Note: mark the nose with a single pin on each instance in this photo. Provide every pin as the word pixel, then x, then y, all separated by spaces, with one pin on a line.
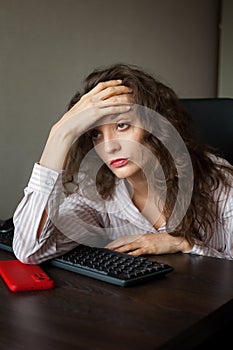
pixel 108 143
pixel 111 144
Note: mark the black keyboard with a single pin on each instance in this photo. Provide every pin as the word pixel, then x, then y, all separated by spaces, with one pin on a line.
pixel 101 263
pixel 110 266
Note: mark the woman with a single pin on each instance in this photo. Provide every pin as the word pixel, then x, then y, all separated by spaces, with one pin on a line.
pixel 122 169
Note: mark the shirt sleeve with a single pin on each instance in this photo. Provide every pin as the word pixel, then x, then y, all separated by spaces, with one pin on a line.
pixel 221 245
pixel 69 220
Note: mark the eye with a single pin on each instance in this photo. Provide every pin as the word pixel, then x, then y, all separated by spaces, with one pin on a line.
pixel 94 134
pixel 123 126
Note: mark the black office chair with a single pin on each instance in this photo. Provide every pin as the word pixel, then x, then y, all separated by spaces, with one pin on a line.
pixel 213 120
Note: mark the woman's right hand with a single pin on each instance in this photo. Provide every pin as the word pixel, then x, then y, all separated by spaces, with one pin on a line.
pixel 106 98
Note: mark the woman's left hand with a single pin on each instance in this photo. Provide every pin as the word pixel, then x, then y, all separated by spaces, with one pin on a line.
pixel 154 243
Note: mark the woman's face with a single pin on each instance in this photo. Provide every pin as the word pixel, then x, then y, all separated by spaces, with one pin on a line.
pixel 118 141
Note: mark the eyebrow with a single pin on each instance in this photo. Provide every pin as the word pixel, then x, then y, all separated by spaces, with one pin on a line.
pixel 114 116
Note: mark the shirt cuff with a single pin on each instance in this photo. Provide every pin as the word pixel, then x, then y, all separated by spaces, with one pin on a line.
pixel 44 179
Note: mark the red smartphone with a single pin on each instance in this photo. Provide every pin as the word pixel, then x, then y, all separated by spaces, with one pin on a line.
pixel 21 277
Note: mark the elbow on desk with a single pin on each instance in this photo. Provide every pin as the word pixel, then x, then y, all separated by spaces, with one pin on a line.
pixel 24 247
pixel 21 257
pixel 33 253
pixel 21 254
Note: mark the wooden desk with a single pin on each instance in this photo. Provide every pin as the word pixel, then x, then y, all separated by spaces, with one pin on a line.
pixel 179 311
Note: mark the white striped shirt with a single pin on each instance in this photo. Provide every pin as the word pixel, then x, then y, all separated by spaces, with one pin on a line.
pixel 86 218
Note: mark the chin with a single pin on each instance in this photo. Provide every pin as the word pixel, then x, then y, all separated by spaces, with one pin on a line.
pixel 123 173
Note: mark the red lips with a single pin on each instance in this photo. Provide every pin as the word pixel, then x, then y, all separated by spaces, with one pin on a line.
pixel 118 162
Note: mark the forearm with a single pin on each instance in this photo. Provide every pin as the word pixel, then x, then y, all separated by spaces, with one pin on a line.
pixel 211 252
pixel 107 98
pixel 37 201
pixel 56 149
pixel 48 224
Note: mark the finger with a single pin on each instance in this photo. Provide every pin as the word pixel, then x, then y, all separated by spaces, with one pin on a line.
pixel 137 252
pixel 92 116
pixel 122 241
pixel 112 91
pixel 118 109
pixel 116 100
pixel 96 114
pixel 103 85
pixel 128 247
pixel 113 245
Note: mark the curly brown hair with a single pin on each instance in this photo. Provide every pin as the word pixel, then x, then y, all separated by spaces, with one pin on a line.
pixel 201 218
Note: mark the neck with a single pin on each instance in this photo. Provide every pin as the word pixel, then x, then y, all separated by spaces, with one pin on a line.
pixel 138 184
pixel 145 199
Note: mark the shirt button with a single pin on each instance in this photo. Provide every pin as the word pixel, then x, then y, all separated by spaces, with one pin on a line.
pixel 49 182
